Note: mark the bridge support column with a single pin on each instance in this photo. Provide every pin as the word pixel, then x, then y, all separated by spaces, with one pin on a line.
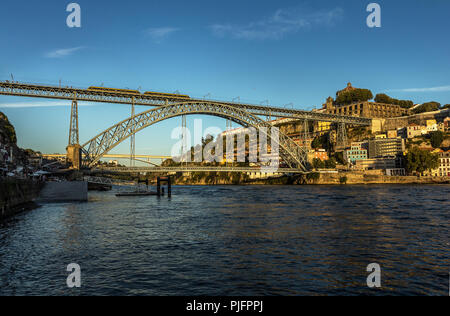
pixel 341 137
pixel 74 156
pixel 306 133
pixel 74 148
pixel 73 132
pixel 133 137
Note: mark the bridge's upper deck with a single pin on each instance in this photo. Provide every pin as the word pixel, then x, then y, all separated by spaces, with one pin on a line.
pixel 89 95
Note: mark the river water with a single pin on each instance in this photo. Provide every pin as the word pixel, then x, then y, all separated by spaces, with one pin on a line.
pixel 233 240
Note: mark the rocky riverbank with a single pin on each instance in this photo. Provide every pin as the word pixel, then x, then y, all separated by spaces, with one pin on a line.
pixel 17 196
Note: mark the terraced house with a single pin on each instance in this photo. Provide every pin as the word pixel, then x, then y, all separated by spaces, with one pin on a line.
pixel 444 165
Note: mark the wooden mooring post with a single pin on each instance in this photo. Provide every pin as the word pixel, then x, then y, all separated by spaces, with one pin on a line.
pixel 163 180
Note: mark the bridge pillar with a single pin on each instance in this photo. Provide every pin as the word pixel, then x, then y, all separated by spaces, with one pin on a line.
pixel 341 137
pixel 73 132
pixel 74 148
pixel 74 156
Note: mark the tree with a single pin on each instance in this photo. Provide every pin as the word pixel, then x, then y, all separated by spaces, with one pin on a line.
pixel 447 106
pixel 383 98
pixel 318 164
pixel 330 163
pixel 320 142
pixel 316 143
pixel 436 139
pixel 354 96
pixel 315 176
pixel 418 160
pixel 427 107
pixel 7 129
pixel 339 157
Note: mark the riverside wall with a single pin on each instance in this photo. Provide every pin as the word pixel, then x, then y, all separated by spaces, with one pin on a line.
pixel 362 178
pixel 341 178
pixel 70 191
pixel 17 196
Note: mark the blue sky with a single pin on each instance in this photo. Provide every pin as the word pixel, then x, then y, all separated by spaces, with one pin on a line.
pixel 297 52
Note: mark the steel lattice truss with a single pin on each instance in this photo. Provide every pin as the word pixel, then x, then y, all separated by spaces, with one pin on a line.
pixel 291 153
pixel 108 181
pixel 109 170
pixel 66 93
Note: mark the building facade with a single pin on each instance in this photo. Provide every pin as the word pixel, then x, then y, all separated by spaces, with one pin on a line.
pixel 447 123
pixel 358 151
pixel 415 130
pixel 365 109
pixel 321 154
pixel 378 163
pixel 444 165
pixel 389 147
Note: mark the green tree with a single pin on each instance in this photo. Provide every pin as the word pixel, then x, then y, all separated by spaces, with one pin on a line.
pixel 427 107
pixel 418 160
pixel 383 98
pixel 7 129
pixel 316 143
pixel 330 163
pixel 447 106
pixel 339 157
pixel 318 164
pixel 320 142
pixel 354 96
pixel 436 139
pixel 314 176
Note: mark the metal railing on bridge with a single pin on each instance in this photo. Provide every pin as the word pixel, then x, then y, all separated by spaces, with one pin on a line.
pixel 68 93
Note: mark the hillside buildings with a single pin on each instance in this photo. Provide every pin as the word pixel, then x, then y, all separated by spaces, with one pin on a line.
pixel 358 151
pixel 444 165
pixel 389 147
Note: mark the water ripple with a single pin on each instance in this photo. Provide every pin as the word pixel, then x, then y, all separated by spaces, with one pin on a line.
pixel 304 240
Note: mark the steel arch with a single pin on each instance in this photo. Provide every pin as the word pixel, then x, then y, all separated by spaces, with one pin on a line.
pixel 291 153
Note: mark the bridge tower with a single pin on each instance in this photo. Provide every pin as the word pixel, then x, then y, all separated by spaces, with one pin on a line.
pixel 184 150
pixel 133 137
pixel 341 136
pixel 74 148
pixel 306 133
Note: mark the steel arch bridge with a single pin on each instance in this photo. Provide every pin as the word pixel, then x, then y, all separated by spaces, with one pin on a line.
pixel 292 154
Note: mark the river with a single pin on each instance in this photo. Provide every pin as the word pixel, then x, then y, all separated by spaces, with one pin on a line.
pixel 235 240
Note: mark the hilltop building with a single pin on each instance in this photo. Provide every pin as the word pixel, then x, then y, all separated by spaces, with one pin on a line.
pixel 364 109
pixel 347 89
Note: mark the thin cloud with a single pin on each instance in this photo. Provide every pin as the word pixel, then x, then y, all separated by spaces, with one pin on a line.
pixel 433 89
pixel 60 53
pixel 160 33
pixel 281 23
pixel 19 105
